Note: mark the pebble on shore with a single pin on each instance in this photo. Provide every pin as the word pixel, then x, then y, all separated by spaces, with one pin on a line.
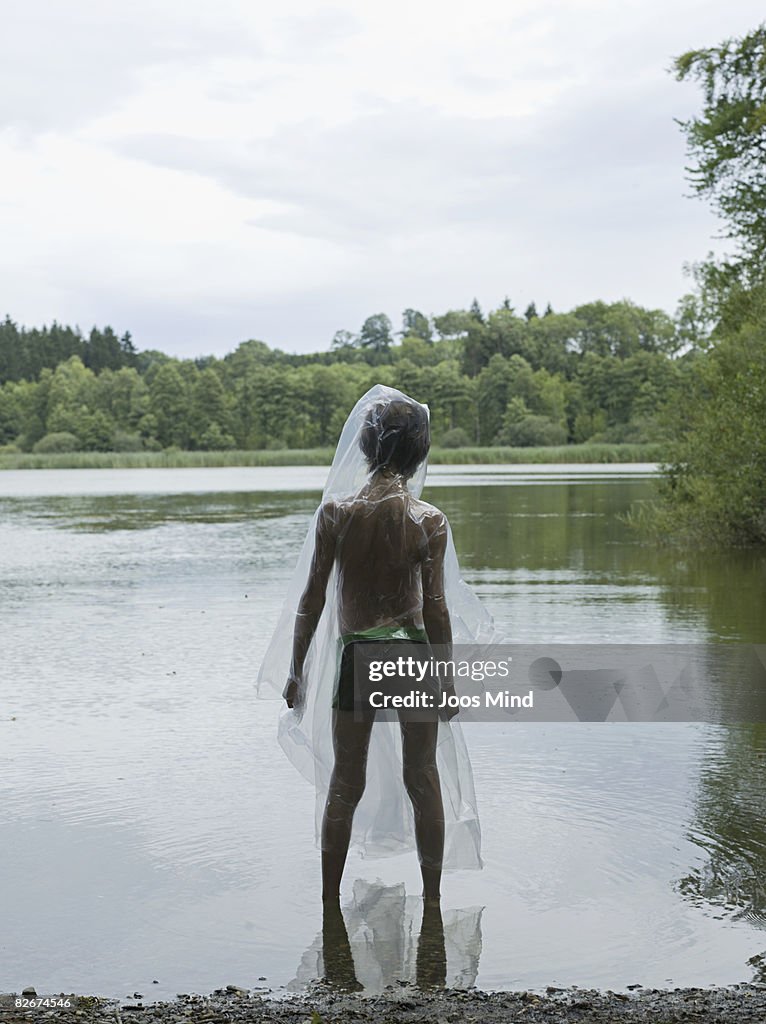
pixel 738 1004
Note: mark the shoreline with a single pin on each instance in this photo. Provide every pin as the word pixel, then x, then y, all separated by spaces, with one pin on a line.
pixel 177 459
pixel 741 1003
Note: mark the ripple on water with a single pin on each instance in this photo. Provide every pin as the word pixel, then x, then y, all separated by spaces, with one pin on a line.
pixel 141 773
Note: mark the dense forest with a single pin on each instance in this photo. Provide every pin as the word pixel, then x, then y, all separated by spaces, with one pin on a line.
pixel 602 372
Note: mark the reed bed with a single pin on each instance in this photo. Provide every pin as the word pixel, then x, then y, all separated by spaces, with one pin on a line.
pixel 577 453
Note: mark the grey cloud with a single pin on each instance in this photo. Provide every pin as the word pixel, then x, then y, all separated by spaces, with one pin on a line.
pixel 245 91
pixel 481 84
pixel 316 33
pixel 583 200
pixel 397 169
pixel 405 168
pixel 63 64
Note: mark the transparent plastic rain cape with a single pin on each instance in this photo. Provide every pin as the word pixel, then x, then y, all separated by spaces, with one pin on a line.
pixel 384 822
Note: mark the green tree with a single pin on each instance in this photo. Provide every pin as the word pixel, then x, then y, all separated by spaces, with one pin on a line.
pixel 214 439
pixel 324 390
pixel 209 407
pixel 416 325
pixel 550 398
pixel 71 396
pixel 622 328
pixel 493 389
pixel 103 350
pixel 412 379
pixel 453 399
pixel 417 350
pixel 123 395
pixel 169 405
pixel 503 334
pixel 727 142
pixel 694 321
pixel 11 354
pixel 95 430
pixel 552 340
pixel 714 485
pixel 344 340
pixel 526 431
pixel 454 324
pixel 33 401
pixel 62 441
pixel 375 335
pixel 10 412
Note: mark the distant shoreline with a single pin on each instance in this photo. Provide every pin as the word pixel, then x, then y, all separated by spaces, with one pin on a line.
pixel 177 459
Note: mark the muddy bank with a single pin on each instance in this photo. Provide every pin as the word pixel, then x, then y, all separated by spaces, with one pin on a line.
pixel 741 1004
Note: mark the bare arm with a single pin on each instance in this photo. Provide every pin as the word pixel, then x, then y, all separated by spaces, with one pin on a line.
pixel 312 602
pixel 435 612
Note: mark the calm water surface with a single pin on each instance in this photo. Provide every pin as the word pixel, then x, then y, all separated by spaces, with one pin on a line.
pixel 153 830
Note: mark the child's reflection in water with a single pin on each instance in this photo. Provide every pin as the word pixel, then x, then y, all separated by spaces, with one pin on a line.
pixel 432 956
pixel 382 939
pixel 339 971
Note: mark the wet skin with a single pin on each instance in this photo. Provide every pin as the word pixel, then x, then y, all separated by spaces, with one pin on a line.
pixel 388 548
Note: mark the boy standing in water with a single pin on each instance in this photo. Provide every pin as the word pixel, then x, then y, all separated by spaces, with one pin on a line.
pixel 388 549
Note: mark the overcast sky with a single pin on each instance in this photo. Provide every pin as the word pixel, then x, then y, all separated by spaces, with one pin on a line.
pixel 205 173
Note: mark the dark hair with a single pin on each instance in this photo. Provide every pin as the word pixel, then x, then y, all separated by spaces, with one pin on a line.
pixel 396 435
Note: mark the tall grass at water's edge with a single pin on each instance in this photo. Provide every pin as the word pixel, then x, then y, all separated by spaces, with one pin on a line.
pixel 575 453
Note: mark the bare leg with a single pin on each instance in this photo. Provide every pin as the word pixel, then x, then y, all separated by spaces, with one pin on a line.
pixel 351 740
pixel 421 779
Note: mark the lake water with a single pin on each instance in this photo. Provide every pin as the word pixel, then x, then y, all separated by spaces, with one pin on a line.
pixel 156 840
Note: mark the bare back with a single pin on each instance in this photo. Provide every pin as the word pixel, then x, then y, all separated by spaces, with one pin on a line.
pixel 388 549
pixel 383 537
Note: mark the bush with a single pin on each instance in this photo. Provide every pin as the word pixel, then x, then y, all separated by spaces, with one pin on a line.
pixel 9 449
pixel 531 431
pixel 96 432
pixel 61 441
pixel 126 442
pixel 456 438
pixel 641 430
pixel 714 488
pixel 215 439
